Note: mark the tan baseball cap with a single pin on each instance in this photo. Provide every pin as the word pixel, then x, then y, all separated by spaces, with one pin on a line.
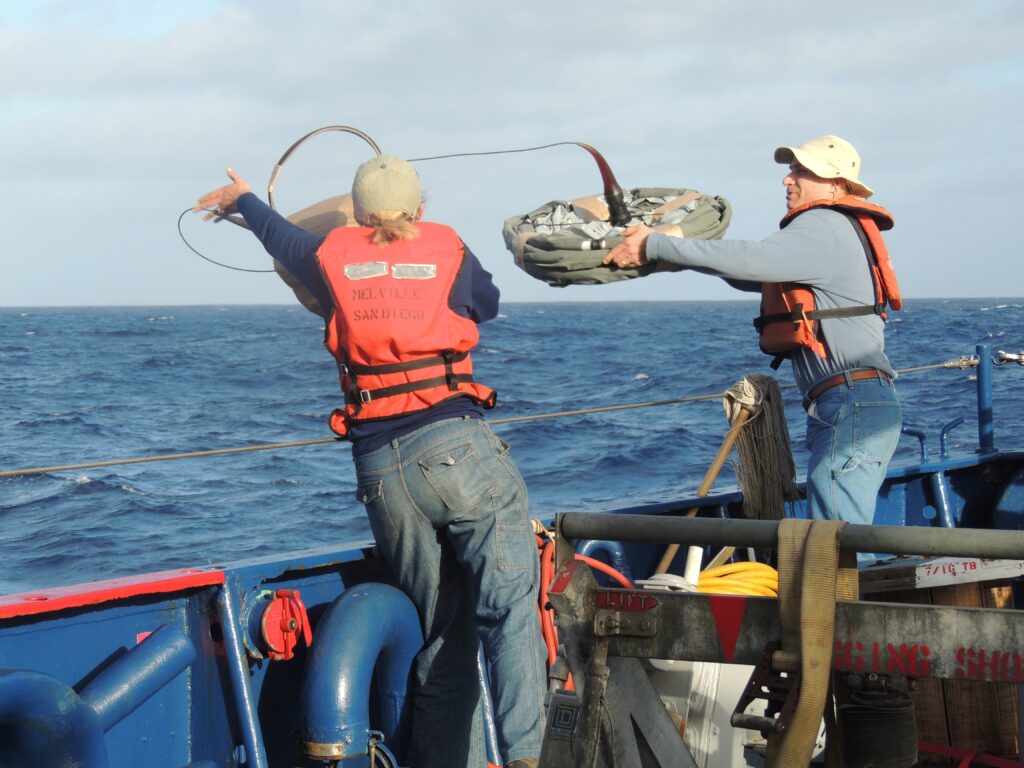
pixel 829 157
pixel 385 183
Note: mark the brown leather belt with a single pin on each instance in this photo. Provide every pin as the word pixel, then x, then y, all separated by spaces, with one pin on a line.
pixel 840 378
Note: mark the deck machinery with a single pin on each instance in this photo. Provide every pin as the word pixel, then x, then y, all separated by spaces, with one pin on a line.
pixel 615 717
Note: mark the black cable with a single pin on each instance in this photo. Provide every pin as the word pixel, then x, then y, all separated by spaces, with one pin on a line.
pixel 207 258
pixel 411 160
pixel 949 364
pixel 493 152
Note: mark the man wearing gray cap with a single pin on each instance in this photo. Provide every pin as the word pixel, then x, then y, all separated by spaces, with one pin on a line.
pixel 825 281
pixel 401 299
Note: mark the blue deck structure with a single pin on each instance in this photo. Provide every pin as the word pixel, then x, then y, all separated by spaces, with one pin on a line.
pixel 301 658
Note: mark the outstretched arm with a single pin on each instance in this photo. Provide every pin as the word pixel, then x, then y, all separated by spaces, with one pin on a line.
pixel 293 247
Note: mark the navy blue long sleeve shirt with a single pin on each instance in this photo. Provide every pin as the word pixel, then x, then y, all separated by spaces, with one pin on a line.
pixel 474 295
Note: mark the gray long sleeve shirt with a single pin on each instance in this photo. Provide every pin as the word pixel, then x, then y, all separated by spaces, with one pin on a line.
pixel 819 249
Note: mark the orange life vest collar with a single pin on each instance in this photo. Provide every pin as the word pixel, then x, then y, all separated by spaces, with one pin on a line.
pixel 399 346
pixel 852 204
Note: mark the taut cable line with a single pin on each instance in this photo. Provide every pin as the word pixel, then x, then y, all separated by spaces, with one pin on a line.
pixel 324 440
pixel 960 363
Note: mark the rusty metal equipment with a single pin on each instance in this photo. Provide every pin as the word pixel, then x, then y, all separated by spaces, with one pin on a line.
pixel 615 718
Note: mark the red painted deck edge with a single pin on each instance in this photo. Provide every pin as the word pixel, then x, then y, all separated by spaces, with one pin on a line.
pixel 96 592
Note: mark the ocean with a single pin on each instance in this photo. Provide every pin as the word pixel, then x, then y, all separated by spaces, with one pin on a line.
pixel 81 385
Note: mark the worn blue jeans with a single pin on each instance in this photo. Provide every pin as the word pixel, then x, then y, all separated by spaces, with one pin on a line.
pixel 852 431
pixel 448 509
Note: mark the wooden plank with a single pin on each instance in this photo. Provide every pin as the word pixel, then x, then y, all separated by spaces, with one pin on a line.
pixel 965 714
pixel 929 694
pixel 980 715
pixel 927 572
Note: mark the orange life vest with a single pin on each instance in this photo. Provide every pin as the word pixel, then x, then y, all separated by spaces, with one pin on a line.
pixel 399 347
pixel 789 317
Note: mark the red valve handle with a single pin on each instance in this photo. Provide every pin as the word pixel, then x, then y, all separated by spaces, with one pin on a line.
pixel 284 619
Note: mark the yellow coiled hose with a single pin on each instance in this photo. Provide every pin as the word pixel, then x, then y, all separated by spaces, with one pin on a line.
pixel 749 578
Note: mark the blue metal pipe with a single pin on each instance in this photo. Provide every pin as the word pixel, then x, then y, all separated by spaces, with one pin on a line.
pixel 238 672
pixel 940 485
pixel 986 432
pixel 941 493
pixel 614 551
pixel 381 754
pixel 121 688
pixel 943 452
pixel 922 439
pixel 44 722
pixel 365 623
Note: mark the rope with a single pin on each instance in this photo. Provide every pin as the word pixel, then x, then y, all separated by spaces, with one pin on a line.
pixel 167 457
pixel 963 362
pixel 324 440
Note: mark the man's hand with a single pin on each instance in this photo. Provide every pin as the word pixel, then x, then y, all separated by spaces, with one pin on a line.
pixel 220 202
pixel 631 252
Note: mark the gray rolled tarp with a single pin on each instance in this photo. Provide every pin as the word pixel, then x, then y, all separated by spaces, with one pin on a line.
pixel 564 241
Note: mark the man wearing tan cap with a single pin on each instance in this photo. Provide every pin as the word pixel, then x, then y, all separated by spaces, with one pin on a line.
pixel 825 281
pixel 401 299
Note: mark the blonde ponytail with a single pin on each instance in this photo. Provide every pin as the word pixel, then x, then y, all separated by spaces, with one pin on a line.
pixel 392 225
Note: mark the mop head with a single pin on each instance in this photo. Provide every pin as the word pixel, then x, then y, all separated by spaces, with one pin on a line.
pixel 766 471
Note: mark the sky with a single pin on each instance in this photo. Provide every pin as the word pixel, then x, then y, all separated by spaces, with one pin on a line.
pixel 116 115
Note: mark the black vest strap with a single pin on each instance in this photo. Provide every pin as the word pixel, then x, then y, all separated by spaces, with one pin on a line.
pixel 819 314
pixel 446 358
pixel 452 381
pixel 798 314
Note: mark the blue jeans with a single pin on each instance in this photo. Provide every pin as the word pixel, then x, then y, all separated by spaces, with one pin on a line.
pixel 448 509
pixel 852 431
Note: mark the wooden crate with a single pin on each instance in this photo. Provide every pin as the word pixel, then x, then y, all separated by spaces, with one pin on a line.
pixel 963 714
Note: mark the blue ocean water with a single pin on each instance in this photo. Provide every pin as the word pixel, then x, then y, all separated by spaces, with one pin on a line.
pixel 80 385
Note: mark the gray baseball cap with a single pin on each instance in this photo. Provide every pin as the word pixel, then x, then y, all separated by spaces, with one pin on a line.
pixel 385 183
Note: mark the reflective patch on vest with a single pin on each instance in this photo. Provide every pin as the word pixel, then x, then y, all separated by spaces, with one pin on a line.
pixel 366 270
pixel 414 271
